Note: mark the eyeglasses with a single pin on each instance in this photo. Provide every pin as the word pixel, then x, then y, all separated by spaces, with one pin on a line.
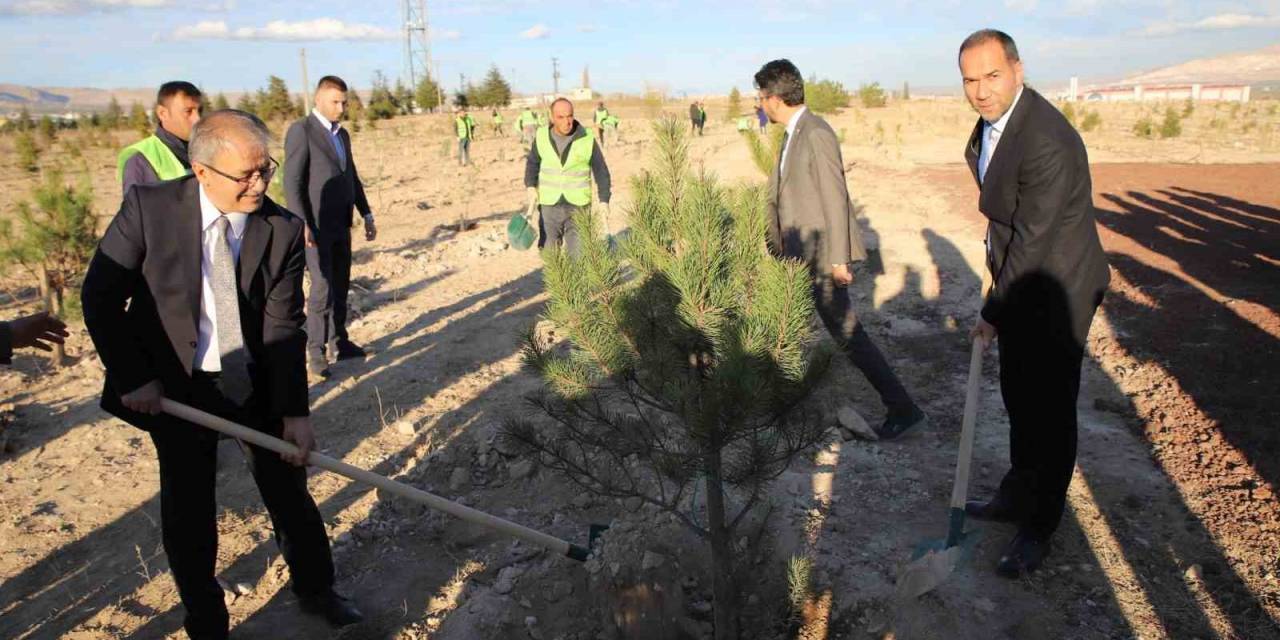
pixel 246 181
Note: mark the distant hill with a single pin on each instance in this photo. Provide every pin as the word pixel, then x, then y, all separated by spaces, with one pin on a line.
pixel 1261 67
pixel 61 99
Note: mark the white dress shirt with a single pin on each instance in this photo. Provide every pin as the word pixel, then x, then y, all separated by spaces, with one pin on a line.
pixel 207 358
pixel 791 132
pixel 334 137
pixel 991 132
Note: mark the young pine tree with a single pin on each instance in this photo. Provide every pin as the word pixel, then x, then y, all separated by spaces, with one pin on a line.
pixel 765 152
pixel 735 103
pixel 54 239
pixel 691 355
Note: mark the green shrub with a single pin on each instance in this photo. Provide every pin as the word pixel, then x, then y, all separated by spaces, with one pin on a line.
pixel 825 96
pixel 1172 125
pixel 872 96
pixel 28 154
pixel 1144 128
pixel 1069 112
pixel 1091 121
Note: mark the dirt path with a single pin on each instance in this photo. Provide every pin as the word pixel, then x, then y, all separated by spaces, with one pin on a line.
pixel 79 553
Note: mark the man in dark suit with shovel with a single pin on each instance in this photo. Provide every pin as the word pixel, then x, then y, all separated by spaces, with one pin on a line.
pixel 1048 276
pixel 195 294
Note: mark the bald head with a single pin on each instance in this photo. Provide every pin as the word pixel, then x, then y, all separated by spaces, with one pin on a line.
pixel 562 116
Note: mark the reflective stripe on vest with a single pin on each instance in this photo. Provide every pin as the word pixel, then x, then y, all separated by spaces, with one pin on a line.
pixel 166 165
pixel 572 179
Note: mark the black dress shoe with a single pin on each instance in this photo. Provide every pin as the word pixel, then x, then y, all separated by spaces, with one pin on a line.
pixel 338 610
pixel 347 350
pixel 896 425
pixel 1025 553
pixel 999 509
pixel 318 369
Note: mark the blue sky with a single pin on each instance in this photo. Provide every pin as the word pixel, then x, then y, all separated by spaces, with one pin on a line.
pixel 693 47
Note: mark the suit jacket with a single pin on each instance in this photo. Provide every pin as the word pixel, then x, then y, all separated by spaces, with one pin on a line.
pixel 141 299
pixel 810 214
pixel 316 186
pixel 1043 248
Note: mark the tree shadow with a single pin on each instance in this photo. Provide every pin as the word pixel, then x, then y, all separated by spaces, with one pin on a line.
pixel 100 563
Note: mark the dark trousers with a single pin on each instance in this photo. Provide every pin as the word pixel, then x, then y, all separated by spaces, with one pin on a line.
pixel 1040 382
pixel 188 511
pixel 329 265
pixel 835 307
pixel 556 228
pixel 464 151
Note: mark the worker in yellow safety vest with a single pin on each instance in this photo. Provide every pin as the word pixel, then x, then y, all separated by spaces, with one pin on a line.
pixel 163 154
pixel 558 172
pixel 465 126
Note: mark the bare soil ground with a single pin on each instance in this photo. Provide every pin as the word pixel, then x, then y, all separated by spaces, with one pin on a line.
pixel 1173 527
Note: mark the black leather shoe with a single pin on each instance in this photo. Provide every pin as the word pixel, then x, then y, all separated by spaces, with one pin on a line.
pixel 1025 553
pixel 895 426
pixel 999 509
pixel 347 350
pixel 336 609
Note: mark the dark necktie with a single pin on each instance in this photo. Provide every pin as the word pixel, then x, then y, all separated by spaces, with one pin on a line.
pixel 236 385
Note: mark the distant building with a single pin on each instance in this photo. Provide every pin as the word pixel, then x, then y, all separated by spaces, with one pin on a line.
pixel 581 94
pixel 1226 92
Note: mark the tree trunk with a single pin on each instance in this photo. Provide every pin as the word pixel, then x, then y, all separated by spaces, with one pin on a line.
pixel 53 306
pixel 726 593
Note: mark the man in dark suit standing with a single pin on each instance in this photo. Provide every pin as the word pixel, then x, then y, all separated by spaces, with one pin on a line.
pixel 321 184
pixel 195 294
pixel 811 219
pixel 1048 277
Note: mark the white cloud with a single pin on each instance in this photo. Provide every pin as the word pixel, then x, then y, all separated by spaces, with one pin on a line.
pixel 285 31
pixel 1220 22
pixel 536 32
pixel 69 7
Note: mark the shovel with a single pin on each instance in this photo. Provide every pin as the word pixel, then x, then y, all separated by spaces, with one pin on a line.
pixel 207 420
pixel 935 559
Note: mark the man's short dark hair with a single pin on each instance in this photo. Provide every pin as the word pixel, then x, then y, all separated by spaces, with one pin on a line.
pixel 175 87
pixel 557 101
pixel 781 78
pixel 332 81
pixel 983 36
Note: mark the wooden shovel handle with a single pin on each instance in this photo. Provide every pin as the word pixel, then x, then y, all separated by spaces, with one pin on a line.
pixel 959 491
pixel 241 432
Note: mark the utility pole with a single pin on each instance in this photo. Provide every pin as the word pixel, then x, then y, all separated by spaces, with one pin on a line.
pixel 555 76
pixel 306 84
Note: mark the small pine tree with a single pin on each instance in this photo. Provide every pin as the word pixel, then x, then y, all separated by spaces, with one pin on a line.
pixel 872 96
pixel 138 120
pixel 114 116
pixel 220 102
pixel 1188 108
pixel 275 103
pixel 355 109
pixel 1171 127
pixel 906 91
pixel 26 152
pixel 735 104
pixel 247 103
pixel 766 152
pixel 55 238
pixel 24 121
pixel 382 103
pixel 494 91
pixel 691 358
pixel 427 93
pixel 825 96
pixel 1069 112
pixel 1144 128
pixel 48 130
pixel 404 98
pixel 1091 121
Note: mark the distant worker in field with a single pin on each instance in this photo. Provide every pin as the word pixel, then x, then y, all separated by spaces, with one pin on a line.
pixel 497 124
pixel 702 116
pixel 598 118
pixel 527 125
pixel 558 172
pixel 762 118
pixel 610 125
pixel 465 126
pixel 811 219
pixel 163 155
pixel 694 117
pixel 543 120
